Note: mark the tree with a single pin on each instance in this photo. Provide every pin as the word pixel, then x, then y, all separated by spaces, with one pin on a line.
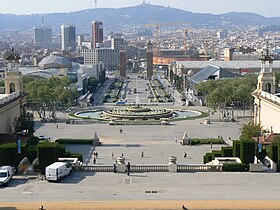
pixel 226 93
pixel 2 83
pixel 249 131
pixel 49 94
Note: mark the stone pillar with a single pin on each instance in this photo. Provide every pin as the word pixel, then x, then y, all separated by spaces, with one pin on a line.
pixel 121 165
pixel 172 164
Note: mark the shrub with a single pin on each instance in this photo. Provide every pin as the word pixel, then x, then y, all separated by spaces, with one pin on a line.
pixel 9 154
pixel 47 154
pixel 236 148
pixel 207 141
pixel 235 167
pixel 247 151
pixel 216 153
pixel 261 155
pixel 227 151
pixel 74 141
pixel 208 157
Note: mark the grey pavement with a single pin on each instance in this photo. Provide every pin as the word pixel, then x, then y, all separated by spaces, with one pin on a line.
pixel 157 143
pixel 83 186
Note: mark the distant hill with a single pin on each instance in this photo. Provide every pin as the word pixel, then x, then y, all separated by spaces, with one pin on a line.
pixel 141 14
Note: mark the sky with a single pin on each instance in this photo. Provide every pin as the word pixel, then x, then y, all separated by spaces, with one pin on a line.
pixel 268 8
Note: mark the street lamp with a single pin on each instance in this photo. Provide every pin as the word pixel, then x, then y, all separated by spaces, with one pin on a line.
pixel 209 113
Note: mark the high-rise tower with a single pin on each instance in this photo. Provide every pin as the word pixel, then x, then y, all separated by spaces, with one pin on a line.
pixel 97 34
pixel 149 54
pixel 68 37
pixel 122 61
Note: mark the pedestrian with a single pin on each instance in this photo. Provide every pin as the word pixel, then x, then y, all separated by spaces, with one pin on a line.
pixel 94 160
pixel 211 145
pixel 56 125
pixel 96 154
pixel 176 139
pixel 142 154
pixel 128 168
pixel 112 155
pixel 185 155
pixel 115 167
pixel 122 154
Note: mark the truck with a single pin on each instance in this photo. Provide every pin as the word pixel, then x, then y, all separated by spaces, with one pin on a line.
pixel 57 171
pixel 6 174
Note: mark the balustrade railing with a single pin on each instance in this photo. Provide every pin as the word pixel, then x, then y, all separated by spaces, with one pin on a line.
pixel 151 168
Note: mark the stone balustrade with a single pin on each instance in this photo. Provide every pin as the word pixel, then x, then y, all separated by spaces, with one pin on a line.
pixel 270 97
pixel 141 168
pixel 9 97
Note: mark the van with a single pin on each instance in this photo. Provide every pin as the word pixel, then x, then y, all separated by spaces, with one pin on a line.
pixel 6 174
pixel 57 171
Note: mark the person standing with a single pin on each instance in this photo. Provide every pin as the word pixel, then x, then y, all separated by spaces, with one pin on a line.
pixel 115 167
pixel 128 168
pixel 142 154
pixel 185 155
pixel 94 160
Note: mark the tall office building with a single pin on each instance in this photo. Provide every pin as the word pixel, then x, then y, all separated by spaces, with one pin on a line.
pixel 149 54
pixel 42 35
pixel 68 37
pixel 97 34
pixel 117 42
pixel 122 51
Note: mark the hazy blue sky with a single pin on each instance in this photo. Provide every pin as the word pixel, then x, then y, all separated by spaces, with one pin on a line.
pixel 264 7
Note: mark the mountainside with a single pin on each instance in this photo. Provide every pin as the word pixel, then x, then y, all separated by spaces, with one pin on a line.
pixel 141 14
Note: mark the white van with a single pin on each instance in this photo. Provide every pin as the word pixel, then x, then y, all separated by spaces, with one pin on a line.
pixel 6 174
pixel 57 171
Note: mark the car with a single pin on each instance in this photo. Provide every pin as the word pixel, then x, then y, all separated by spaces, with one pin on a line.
pixel 41 137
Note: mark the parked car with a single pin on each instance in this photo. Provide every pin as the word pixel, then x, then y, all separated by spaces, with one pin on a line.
pixel 6 174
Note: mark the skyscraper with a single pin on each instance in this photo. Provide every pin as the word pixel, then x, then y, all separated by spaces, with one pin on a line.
pixel 97 34
pixel 68 37
pixel 149 54
pixel 42 35
pixel 122 51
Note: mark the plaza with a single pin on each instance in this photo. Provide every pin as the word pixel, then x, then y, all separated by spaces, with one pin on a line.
pixel 157 190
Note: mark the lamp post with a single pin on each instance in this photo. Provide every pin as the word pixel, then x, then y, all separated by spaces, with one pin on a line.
pixel 259 145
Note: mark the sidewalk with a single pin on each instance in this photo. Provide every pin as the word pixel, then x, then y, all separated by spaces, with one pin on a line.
pixel 176 204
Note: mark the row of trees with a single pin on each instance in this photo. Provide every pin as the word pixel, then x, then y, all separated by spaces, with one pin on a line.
pixel 223 93
pixel 49 94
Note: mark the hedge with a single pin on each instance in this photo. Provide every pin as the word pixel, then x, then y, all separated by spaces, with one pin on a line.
pixel 247 151
pixel 74 141
pixel 74 155
pixel 216 153
pixel 207 141
pixel 227 151
pixel 235 167
pixel 9 154
pixel 261 155
pixel 236 148
pixel 207 157
pixel 48 153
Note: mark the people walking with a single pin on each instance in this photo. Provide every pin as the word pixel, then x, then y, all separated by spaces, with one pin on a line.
pixel 128 168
